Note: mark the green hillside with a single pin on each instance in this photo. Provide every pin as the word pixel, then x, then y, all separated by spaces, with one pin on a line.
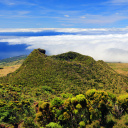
pixel 12 60
pixel 68 72
pixel 69 90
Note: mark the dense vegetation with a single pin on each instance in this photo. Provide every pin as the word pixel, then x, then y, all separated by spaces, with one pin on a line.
pixel 12 61
pixel 66 90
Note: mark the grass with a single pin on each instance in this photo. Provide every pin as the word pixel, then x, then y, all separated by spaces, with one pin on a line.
pixel 8 69
pixel 121 68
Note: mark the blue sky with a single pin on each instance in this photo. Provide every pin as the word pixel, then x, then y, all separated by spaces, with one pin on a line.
pixel 98 28
pixel 63 13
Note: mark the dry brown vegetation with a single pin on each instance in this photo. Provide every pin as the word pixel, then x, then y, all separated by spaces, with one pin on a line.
pixel 8 69
pixel 121 68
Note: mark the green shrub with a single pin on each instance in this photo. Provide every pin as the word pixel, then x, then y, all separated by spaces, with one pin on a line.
pixel 47 88
pixel 44 106
pixel 66 95
pixel 94 124
pixel 57 102
pixel 45 115
pixel 74 101
pixel 99 104
pixel 29 122
pixel 81 99
pixel 122 101
pixel 82 124
pixel 78 106
pixel 53 125
pixel 90 93
pixel 117 111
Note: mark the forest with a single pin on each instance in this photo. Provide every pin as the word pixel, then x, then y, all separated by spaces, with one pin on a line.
pixel 68 90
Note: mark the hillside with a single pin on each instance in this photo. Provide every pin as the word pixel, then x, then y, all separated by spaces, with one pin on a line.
pixel 15 58
pixel 9 65
pixel 121 68
pixel 61 91
pixel 68 72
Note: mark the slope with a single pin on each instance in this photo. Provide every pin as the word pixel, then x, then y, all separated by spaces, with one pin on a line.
pixel 68 72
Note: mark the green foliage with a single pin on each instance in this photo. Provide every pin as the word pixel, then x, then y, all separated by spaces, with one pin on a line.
pixel 99 104
pixel 53 125
pixel 66 95
pixel 82 124
pixel 81 99
pixel 47 88
pixel 29 123
pixel 56 102
pixel 122 101
pixel 94 124
pixel 64 89
pixel 117 111
pixel 44 106
pixel 110 122
pixel 14 111
pixel 65 73
pixel 13 59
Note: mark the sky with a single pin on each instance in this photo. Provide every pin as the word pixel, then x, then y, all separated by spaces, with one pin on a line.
pixel 97 28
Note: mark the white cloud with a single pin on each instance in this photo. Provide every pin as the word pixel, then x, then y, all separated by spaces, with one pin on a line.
pixel 95 19
pixel 119 1
pixel 66 15
pixel 16 2
pixel 83 17
pixel 107 47
pixel 7 2
pixel 23 12
pixel 70 30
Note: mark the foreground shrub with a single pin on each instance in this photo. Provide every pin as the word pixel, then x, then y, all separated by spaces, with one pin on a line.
pixel 14 112
pixel 99 104
pixel 57 102
pixel 122 101
pixel 44 116
pixel 29 123
pixel 117 111
pixel 82 124
pixel 53 125
pixel 94 124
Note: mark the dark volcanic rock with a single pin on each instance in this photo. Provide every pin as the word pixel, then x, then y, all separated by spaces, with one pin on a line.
pixel 42 50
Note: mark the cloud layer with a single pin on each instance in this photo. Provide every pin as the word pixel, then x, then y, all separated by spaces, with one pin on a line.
pixel 101 44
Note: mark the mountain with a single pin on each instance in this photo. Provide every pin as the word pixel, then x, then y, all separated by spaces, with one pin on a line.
pixel 11 59
pixel 68 72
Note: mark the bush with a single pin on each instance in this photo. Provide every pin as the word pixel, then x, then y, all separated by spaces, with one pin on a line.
pixel 44 106
pixel 94 124
pixel 99 104
pixel 53 125
pixel 44 116
pixel 82 124
pixel 122 101
pixel 47 88
pixel 81 99
pixel 117 111
pixel 29 122
pixel 57 102
pixel 67 95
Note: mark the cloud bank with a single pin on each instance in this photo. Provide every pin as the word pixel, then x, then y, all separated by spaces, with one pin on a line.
pixel 110 45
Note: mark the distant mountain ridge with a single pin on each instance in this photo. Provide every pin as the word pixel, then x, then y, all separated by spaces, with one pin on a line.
pixel 15 58
pixel 68 72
